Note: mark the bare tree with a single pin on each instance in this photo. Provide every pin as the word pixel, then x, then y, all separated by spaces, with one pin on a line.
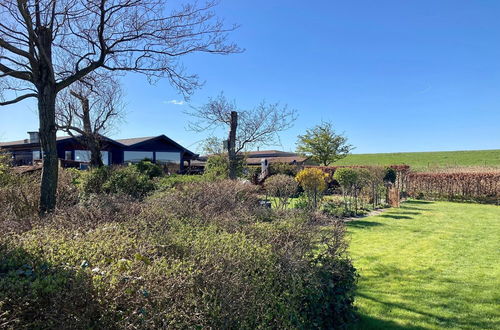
pixel 89 109
pixel 47 45
pixel 247 128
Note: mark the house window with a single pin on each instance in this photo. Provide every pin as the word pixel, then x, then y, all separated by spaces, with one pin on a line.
pixel 67 155
pixel 37 155
pixel 136 156
pixel 84 156
pixel 168 157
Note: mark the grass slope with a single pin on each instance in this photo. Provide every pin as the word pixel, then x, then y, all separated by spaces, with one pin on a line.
pixel 428 265
pixel 427 159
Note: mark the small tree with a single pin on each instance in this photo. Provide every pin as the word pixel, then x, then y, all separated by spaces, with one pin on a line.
pixel 88 110
pixel 313 181
pixel 323 144
pixel 346 177
pixel 282 187
pixel 247 128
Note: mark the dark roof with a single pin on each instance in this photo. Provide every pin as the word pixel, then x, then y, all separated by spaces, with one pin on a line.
pixel 135 141
pixel 123 142
pixel 132 141
pixel 269 153
pixel 288 160
pixel 27 143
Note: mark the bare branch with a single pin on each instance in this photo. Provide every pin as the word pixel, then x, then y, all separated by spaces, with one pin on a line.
pixel 19 98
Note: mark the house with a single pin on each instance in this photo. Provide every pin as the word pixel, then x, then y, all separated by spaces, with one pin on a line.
pixel 160 149
pixel 274 156
pixel 256 158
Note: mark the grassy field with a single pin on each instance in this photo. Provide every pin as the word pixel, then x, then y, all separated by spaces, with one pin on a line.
pixel 423 160
pixel 428 265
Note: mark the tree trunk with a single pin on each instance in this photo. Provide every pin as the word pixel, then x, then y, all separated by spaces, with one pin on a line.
pixel 90 138
pixel 95 153
pixel 233 161
pixel 46 87
pixel 46 111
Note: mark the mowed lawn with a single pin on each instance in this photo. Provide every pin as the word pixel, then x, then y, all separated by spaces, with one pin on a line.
pixel 426 160
pixel 428 265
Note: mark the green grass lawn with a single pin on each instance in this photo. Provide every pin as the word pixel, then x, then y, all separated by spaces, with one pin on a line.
pixel 428 265
pixel 423 160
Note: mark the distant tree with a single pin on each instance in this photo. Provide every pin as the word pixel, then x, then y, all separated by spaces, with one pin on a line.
pixel 247 128
pixel 212 146
pixel 47 45
pixel 323 144
pixel 89 109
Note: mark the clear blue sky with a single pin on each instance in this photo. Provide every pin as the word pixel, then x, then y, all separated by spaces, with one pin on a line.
pixel 393 75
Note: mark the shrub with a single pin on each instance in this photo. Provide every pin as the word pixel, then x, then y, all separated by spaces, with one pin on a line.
pixel 217 167
pixel 282 187
pixel 148 168
pixel 92 181
pixel 228 203
pixel 352 181
pixel 197 256
pixel 128 181
pixel 481 187
pixel 176 180
pixel 283 168
pixel 390 175
pixel 313 181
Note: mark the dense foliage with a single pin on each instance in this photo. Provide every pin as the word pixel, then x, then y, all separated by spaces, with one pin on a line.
pixel 323 144
pixel 198 255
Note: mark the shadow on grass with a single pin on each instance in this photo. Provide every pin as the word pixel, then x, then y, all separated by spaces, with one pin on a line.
pixel 395 216
pixel 363 224
pixel 418 202
pixel 409 212
pixel 431 319
pixel 368 322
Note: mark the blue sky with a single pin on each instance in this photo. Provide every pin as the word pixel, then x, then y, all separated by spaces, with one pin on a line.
pixel 393 75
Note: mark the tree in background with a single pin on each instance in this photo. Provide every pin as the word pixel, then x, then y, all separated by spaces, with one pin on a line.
pixel 323 145
pixel 47 45
pixel 88 110
pixel 247 128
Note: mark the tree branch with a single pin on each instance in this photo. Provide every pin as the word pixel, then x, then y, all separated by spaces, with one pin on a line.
pixel 20 98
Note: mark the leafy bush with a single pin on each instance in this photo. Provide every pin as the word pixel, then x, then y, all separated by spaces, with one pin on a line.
pixel 128 181
pixel 149 168
pixel 313 181
pixel 337 209
pixel 282 187
pixel 217 167
pixel 92 181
